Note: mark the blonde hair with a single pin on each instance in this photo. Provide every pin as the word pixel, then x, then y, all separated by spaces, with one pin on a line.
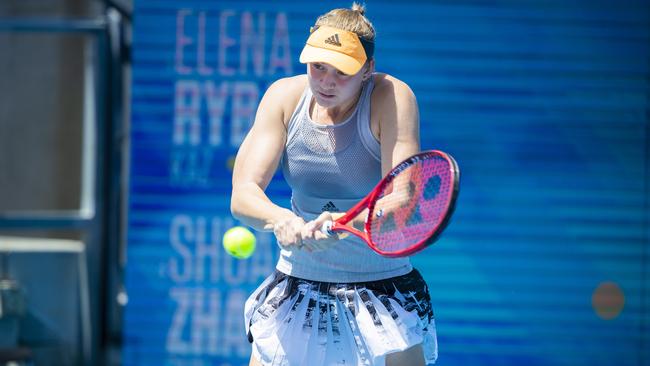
pixel 353 20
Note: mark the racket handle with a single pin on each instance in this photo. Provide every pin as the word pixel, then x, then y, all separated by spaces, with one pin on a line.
pixel 327 228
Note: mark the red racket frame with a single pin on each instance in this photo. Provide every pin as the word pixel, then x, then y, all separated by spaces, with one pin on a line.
pixel 371 199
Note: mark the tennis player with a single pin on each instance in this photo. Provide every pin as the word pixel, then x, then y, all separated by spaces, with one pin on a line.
pixel 334 132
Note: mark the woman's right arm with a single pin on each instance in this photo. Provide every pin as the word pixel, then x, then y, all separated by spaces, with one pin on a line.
pixel 258 158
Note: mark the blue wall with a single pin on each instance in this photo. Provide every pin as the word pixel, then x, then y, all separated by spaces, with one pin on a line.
pixel 544 104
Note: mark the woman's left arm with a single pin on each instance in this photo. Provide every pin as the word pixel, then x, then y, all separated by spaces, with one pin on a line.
pixel 399 122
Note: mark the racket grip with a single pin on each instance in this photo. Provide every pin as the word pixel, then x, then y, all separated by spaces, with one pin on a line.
pixel 327 228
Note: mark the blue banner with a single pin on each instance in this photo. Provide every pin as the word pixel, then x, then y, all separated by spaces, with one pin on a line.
pixel 542 103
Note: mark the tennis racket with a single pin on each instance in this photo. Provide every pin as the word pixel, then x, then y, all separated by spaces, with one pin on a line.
pixel 408 209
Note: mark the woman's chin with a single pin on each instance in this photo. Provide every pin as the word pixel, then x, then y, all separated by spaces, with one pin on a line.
pixel 326 101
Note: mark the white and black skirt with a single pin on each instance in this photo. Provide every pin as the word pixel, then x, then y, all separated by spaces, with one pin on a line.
pixel 295 322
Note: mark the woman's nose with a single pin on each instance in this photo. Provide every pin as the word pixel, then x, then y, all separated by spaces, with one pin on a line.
pixel 329 80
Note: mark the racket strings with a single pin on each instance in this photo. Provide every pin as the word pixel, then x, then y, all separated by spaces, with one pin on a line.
pixel 411 206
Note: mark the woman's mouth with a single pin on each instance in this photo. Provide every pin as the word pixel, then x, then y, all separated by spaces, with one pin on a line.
pixel 326 95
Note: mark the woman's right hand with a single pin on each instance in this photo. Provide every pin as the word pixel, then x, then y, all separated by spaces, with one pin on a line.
pixel 288 232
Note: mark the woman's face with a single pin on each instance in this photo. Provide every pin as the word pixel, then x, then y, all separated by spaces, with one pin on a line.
pixel 331 87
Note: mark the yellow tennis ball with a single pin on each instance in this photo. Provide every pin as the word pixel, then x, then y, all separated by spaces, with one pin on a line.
pixel 239 242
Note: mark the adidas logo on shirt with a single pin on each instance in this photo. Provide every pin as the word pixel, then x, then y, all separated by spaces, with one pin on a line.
pixel 329 206
pixel 334 40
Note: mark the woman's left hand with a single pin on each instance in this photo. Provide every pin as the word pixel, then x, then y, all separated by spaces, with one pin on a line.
pixel 313 238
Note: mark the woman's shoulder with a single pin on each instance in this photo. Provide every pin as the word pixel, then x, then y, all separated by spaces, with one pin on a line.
pixel 388 86
pixel 287 89
pixel 390 93
pixel 286 92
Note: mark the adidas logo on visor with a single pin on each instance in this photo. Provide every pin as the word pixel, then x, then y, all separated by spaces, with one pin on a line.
pixel 334 40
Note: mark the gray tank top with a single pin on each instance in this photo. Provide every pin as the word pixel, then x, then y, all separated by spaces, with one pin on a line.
pixel 331 168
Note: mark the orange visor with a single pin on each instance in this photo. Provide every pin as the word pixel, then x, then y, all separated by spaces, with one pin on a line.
pixel 339 48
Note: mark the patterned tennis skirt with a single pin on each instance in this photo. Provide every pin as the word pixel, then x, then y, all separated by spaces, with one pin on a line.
pixel 295 322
